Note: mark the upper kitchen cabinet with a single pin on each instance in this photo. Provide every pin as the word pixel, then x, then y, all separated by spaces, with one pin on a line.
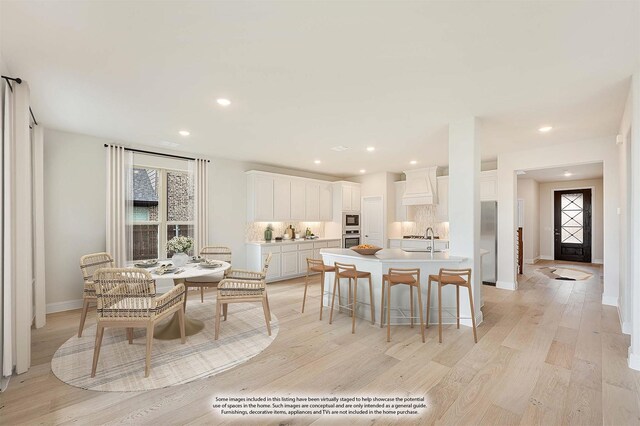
pixel 489 185
pixel 260 198
pixel 282 198
pixel 312 211
pixel 298 199
pixel 276 198
pixel 326 202
pixel 442 208
pixel 349 195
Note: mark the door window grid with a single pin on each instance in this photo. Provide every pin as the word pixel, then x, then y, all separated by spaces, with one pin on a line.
pixel 572 224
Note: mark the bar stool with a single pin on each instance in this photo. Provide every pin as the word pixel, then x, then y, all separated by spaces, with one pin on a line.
pixel 397 276
pixel 316 265
pixel 454 277
pixel 350 272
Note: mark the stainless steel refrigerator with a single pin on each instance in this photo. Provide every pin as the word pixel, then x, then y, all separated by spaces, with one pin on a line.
pixel 489 241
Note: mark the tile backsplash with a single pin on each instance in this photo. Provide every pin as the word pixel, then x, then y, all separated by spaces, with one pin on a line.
pixel 424 217
pixel 255 230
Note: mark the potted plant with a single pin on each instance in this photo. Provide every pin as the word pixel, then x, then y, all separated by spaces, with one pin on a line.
pixel 180 245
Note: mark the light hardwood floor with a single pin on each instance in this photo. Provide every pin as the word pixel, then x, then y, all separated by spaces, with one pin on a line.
pixel 549 353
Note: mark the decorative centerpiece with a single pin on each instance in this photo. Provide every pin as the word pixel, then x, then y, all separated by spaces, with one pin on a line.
pixel 180 245
pixel 366 249
pixel 268 233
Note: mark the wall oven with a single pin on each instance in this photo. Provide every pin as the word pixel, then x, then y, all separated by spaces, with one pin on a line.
pixel 350 239
pixel 351 221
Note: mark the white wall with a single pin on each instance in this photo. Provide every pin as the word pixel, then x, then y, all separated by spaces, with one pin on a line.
pixel 590 151
pixel 75 204
pixel 624 158
pixel 547 220
pixel 528 190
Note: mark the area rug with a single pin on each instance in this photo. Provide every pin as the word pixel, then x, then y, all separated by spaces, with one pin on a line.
pixel 565 274
pixel 121 365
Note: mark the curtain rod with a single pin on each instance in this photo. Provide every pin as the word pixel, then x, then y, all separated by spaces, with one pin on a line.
pixel 161 154
pixel 19 81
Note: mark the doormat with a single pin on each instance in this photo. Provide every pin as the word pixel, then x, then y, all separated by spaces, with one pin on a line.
pixel 565 274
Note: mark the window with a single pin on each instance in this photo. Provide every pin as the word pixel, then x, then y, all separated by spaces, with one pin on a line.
pixel 163 207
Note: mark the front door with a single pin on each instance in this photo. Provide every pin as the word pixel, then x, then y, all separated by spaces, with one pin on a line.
pixel 373 221
pixel 572 225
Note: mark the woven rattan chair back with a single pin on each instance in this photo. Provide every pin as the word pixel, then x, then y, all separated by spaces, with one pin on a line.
pixel 220 253
pixel 124 293
pixel 90 263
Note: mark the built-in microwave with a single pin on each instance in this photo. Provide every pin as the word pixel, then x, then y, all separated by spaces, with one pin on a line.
pixel 351 220
pixel 350 239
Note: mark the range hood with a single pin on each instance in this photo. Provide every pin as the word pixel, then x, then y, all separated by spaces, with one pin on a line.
pixel 421 187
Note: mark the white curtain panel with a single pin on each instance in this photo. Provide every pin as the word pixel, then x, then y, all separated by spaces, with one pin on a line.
pixel 17 231
pixel 38 227
pixel 201 204
pixel 119 199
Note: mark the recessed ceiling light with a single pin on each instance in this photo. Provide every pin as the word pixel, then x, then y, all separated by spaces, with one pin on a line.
pixel 317 161
pixel 413 162
pixel 371 148
pixel 567 173
pixel 184 132
pixel 340 148
pixel 223 102
pixel 363 171
pixel 545 129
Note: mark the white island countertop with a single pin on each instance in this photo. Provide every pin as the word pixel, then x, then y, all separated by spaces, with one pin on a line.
pixel 296 241
pixel 395 255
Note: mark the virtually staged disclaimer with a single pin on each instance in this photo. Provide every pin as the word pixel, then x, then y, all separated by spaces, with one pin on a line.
pixel 318 405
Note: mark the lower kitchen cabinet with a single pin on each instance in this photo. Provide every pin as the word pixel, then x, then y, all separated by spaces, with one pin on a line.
pixel 289 259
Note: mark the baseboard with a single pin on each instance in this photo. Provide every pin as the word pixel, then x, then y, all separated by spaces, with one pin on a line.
pixel 506 285
pixel 633 360
pixel 67 305
pixel 598 261
pixel 532 261
pixel 610 301
pixel 545 257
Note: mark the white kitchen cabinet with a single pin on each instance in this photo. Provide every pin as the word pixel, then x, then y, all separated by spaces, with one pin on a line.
pixel 289 263
pixel 281 199
pixel 289 258
pixel 489 185
pixel 442 208
pixel 326 203
pixel 347 196
pixel 275 271
pixel 260 196
pixel 403 213
pixel 302 260
pixel 312 202
pixel 298 200
pixel 355 198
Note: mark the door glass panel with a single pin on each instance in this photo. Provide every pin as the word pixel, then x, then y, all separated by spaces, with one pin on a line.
pixel 572 220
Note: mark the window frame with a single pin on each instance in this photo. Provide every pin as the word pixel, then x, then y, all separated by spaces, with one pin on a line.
pixel 163 205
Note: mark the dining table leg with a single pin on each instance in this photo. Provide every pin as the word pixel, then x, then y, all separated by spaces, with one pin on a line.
pixel 171 329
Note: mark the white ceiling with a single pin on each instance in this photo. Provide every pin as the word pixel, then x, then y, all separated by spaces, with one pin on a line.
pixel 578 172
pixel 306 76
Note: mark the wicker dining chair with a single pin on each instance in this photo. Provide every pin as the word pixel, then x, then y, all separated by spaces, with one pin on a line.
pixel 246 275
pixel 235 289
pixel 126 298
pixel 208 281
pixel 89 264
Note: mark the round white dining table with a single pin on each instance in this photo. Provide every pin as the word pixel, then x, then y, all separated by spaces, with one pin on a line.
pixel 171 329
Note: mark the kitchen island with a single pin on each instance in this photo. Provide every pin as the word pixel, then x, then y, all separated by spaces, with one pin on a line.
pixel 379 264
